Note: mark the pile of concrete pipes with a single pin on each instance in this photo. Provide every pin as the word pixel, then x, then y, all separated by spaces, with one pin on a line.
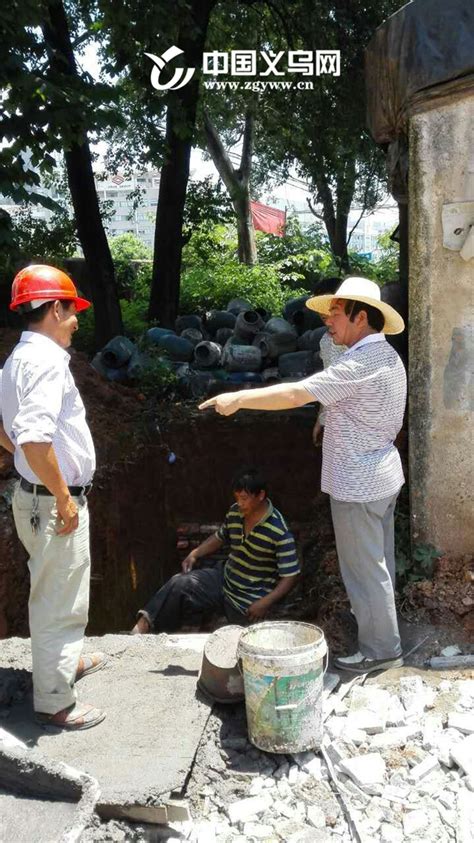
pixel 238 345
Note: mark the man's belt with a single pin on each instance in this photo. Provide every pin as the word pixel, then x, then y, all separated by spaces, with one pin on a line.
pixel 75 491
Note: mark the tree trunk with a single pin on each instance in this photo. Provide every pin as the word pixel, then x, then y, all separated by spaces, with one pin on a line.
pixel 237 183
pixel 99 264
pixel 180 123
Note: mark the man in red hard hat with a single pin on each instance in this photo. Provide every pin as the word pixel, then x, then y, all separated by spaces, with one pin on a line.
pixel 44 420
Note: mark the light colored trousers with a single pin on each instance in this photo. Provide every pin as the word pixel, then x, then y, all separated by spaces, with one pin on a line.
pixel 365 548
pixel 59 597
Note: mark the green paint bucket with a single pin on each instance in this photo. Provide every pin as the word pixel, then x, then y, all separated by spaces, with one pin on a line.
pixel 283 665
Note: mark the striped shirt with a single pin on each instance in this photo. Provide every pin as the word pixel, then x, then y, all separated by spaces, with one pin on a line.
pixel 330 354
pixel 364 394
pixel 257 561
pixel 41 403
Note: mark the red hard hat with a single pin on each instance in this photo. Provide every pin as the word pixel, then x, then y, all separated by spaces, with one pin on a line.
pixel 44 282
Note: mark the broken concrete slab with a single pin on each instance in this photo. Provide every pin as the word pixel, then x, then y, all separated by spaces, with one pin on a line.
pixel 462 721
pixel 245 809
pixel 143 750
pixel 40 799
pixel 397 736
pixel 365 770
pixel 368 709
pixel 424 768
pixel 463 755
pixel 414 821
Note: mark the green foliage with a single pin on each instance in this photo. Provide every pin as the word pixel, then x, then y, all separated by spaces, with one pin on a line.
pixel 212 274
pixel 414 562
pixel 157 379
pixel 125 249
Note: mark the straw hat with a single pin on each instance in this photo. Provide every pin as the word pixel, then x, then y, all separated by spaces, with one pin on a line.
pixel 363 290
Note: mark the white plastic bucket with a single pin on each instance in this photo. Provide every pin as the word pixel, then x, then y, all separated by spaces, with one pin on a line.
pixel 283 665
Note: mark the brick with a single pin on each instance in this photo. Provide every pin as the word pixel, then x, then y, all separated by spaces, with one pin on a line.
pixel 316 816
pixel 397 736
pixel 244 809
pixel 427 766
pixel 396 712
pixel 314 767
pixel 463 755
pixel 414 695
pixel 365 770
pixel 462 721
pixel 390 833
pixel 432 729
pixel 293 774
pixel 368 709
pixel 445 743
pixel 414 821
pixel 258 831
pixel 187 529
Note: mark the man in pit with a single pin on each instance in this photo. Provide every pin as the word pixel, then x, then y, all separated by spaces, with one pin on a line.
pixel 261 568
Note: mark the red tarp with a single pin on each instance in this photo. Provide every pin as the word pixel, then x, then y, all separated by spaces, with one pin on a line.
pixel 269 220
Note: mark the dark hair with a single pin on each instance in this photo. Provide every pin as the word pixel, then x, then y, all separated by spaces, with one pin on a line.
pixel 375 317
pixel 249 480
pixel 326 286
pixel 37 314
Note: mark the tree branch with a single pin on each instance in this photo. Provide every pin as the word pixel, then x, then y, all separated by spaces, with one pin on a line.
pixel 247 148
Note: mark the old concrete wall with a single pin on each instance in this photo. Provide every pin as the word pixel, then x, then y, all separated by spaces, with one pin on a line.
pixel 441 325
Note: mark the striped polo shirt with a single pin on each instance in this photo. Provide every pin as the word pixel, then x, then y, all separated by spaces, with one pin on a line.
pixel 257 561
pixel 364 394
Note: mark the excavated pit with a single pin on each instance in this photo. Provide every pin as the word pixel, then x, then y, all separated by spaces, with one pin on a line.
pixel 141 496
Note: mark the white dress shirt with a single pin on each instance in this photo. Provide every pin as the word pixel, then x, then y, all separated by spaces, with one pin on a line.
pixel 41 403
pixel 364 395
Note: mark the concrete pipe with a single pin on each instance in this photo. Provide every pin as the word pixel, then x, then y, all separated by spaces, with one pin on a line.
pixel 217 319
pixel 207 354
pixel 236 306
pixel 178 348
pixel 306 320
pixel 223 334
pixel 189 321
pixel 271 375
pixel 299 364
pixel 192 335
pixel 247 324
pixel 310 340
pixel 241 358
pixel 154 335
pixel 273 345
pixel 117 352
pixel 277 325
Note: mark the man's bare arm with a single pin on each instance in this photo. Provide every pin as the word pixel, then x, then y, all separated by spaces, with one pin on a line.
pixel 206 548
pixel 280 396
pixel 43 462
pixel 5 440
pixel 260 608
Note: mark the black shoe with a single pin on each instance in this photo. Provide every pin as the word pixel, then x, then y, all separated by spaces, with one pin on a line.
pixel 360 664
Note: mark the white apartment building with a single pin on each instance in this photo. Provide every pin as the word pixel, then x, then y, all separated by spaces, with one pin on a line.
pixel 140 220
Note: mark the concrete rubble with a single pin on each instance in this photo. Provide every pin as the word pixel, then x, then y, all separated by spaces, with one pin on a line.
pixel 397 764
pixel 391 784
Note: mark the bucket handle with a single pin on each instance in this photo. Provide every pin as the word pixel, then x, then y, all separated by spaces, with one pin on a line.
pixel 293 706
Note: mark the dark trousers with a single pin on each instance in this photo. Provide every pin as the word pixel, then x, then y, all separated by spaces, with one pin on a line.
pixel 186 598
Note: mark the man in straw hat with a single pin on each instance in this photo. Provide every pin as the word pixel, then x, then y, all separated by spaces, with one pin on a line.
pixel 364 395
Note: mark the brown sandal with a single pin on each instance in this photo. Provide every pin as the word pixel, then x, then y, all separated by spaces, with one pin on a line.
pixel 90 664
pixel 77 716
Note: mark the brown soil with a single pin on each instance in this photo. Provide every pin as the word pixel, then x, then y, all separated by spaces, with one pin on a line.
pixel 446 599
